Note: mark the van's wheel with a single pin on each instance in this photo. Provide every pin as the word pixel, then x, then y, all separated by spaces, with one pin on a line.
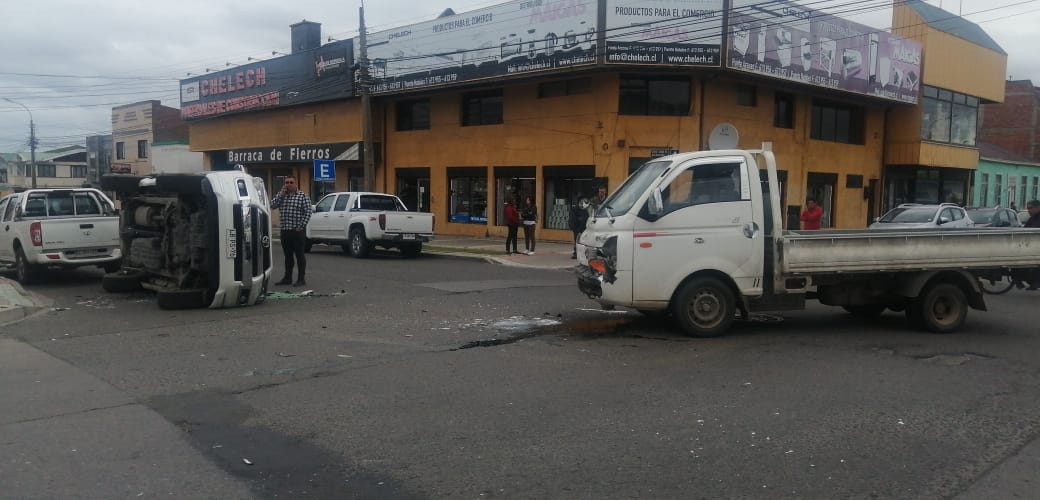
pixel 122 282
pixel 112 267
pixel 866 311
pixel 412 251
pixel 942 308
pixel 704 307
pixel 192 298
pixel 25 272
pixel 359 245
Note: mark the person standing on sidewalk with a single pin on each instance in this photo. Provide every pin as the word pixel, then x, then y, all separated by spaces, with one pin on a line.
pixel 512 221
pixel 529 217
pixel 579 217
pixel 295 209
pixel 812 215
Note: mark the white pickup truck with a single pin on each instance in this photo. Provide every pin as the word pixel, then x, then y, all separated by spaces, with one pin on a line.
pixel 699 235
pixel 357 221
pixel 58 228
pixel 197 240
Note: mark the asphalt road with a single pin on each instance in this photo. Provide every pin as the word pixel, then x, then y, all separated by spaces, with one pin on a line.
pixel 452 378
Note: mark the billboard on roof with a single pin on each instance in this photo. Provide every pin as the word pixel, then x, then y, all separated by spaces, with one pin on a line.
pixel 316 75
pixel 664 32
pixel 513 38
pixel 782 39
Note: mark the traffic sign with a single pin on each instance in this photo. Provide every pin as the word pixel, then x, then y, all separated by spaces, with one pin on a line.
pixel 324 170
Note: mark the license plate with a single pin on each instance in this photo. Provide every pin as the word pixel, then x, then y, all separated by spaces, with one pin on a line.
pixel 408 236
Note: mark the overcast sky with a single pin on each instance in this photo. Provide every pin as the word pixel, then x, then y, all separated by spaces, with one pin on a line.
pixel 71 61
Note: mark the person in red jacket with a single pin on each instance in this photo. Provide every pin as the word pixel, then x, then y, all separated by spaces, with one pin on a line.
pixel 811 215
pixel 512 220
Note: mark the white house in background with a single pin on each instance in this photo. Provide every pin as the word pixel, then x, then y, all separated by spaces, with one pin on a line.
pixel 55 168
pixel 175 158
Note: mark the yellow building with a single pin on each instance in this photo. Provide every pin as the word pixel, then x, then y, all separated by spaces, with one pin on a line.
pixel 469 109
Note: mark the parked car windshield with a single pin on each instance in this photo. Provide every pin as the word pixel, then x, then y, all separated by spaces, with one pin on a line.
pixel 626 196
pixel 909 214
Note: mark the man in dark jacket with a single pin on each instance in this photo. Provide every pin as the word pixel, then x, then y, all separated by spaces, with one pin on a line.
pixel 579 217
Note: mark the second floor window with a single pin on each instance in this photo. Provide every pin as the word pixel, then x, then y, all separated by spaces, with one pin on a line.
pixel 79 171
pixel 837 122
pixel 947 116
pixel 783 110
pixel 482 108
pixel 654 96
pixel 413 115
pixel 45 171
pixel 120 150
pixel 142 149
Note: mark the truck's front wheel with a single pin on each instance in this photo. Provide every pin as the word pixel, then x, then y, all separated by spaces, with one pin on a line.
pixel 942 308
pixel 704 307
pixel 359 245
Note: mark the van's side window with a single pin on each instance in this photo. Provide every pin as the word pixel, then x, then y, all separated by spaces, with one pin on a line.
pixel 701 184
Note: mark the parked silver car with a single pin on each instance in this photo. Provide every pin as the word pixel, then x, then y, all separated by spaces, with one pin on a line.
pixel 994 217
pixel 919 216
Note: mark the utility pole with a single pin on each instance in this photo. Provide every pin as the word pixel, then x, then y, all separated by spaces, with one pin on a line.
pixel 368 153
pixel 32 139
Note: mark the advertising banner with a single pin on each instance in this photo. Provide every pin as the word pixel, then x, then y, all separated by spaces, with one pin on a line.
pixel 517 37
pixel 294 154
pixel 782 39
pixel 664 32
pixel 312 76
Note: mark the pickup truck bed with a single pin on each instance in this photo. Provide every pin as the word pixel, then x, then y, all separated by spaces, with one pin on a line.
pixel 852 251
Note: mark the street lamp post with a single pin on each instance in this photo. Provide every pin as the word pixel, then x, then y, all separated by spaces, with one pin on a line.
pixel 32 139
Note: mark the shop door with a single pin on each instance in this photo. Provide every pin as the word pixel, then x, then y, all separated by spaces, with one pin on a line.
pixel 821 188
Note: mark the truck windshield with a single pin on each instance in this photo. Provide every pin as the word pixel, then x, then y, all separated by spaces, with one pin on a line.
pixel 626 196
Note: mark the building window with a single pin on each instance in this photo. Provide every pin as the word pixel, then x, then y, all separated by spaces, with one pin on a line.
pixel 120 150
pixel 948 116
pixel 482 108
pixel 467 199
pixel 837 122
pixel 1036 189
pixel 413 115
pixel 783 110
pixel 565 87
pixel 998 188
pixel 79 171
pixel 654 96
pixel 142 149
pixel 45 171
pixel 1025 193
pixel 984 191
pixel 3 177
pixel 747 95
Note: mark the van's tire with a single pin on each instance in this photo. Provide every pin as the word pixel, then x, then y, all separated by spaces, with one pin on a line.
pixel 122 282
pixel 942 308
pixel 190 184
pixel 25 272
pixel 112 267
pixel 866 311
pixel 120 183
pixel 191 298
pixel 704 307
pixel 412 250
pixel 359 245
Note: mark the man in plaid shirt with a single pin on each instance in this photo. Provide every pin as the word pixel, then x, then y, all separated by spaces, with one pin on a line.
pixel 295 209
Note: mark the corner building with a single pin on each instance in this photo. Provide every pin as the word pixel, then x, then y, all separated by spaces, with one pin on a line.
pixel 552 99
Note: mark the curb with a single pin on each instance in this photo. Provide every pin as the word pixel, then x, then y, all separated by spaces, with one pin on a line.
pixel 16 303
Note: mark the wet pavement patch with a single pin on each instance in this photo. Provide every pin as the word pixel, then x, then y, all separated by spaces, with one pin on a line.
pixel 518 328
pixel 305 294
pixel 275 464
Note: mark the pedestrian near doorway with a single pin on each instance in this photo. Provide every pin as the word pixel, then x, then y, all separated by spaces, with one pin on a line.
pixel 579 217
pixel 512 220
pixel 295 209
pixel 812 215
pixel 529 218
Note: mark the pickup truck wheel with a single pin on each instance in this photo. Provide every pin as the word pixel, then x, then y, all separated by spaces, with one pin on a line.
pixel 941 309
pixel 181 299
pixel 412 251
pixel 704 307
pixel 25 272
pixel 359 245
pixel 866 311
pixel 122 282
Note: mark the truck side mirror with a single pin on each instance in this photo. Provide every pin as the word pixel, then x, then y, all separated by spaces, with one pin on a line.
pixel 654 205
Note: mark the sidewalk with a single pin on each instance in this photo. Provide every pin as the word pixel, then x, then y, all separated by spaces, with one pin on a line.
pixel 547 255
pixel 16 303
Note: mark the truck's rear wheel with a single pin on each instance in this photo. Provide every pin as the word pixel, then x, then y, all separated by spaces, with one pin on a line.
pixel 704 307
pixel 122 282
pixel 25 272
pixel 412 251
pixel 359 245
pixel 942 308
